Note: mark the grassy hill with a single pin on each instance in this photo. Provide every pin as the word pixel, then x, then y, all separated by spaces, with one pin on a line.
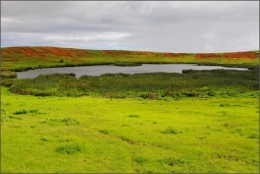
pixel 24 58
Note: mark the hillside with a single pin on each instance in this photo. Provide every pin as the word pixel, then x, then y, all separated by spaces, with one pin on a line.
pixel 24 58
pixel 197 121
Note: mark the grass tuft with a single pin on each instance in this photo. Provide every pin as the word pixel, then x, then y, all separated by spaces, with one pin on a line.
pixel 253 135
pixel 170 130
pixel 103 131
pixel 139 160
pixel 133 116
pixel 70 121
pixel 173 161
pixel 69 149
pixel 20 112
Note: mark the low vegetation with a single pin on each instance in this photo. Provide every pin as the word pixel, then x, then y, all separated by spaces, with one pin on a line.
pixel 198 84
pixel 86 134
pixel 198 121
pixel 25 58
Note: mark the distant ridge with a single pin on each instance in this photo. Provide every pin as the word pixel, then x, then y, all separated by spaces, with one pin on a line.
pixel 27 57
pixel 66 52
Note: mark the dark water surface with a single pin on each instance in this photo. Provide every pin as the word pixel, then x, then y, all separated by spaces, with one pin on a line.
pixel 104 69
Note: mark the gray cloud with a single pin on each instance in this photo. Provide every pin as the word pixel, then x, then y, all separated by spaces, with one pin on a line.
pixel 169 26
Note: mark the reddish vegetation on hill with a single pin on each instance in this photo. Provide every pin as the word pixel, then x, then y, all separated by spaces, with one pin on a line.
pixel 116 53
pixel 25 57
pixel 68 52
pixel 43 51
pixel 176 54
pixel 207 56
pixel 250 55
pixel 247 55
pixel 145 53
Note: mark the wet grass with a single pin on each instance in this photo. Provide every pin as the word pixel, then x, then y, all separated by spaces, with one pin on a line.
pixel 166 86
pixel 88 134
pixel 8 74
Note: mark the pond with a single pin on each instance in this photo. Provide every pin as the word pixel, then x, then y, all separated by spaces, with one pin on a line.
pixel 104 69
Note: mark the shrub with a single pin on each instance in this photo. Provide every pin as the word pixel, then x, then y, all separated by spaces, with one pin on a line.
pixel 150 96
pixel 34 111
pixel 169 130
pixel 70 74
pixel 7 82
pixel 224 104
pixel 172 161
pixel 135 116
pixel 211 93
pixel 186 71
pixel 226 124
pixel 173 94
pixel 253 135
pixel 70 121
pixel 190 94
pixel 140 160
pixel 104 131
pixel 8 74
pixel 15 117
pixel 44 139
pixel 21 112
pixel 69 149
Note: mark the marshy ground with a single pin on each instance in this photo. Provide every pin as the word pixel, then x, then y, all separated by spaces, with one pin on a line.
pixel 199 121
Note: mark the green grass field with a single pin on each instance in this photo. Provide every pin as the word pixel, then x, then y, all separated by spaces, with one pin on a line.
pixel 199 121
pixel 85 134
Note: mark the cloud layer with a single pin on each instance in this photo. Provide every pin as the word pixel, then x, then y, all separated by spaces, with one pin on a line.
pixel 169 26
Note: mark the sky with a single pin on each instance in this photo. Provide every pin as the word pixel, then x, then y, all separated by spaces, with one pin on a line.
pixel 165 26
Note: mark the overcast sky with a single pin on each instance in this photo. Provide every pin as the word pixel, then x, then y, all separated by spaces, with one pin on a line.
pixel 169 26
